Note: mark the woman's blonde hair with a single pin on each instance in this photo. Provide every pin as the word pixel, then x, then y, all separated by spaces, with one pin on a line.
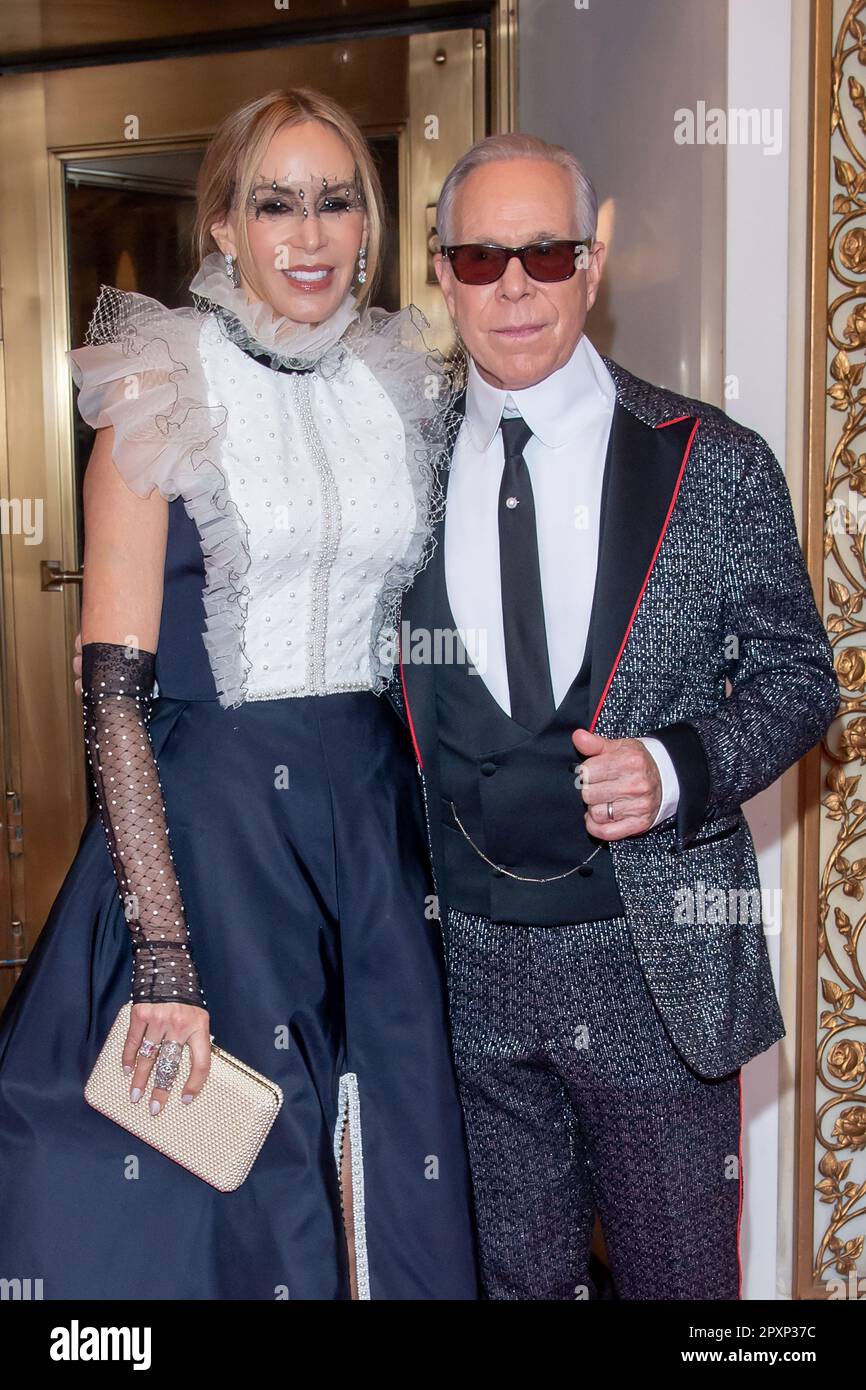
pixel 232 164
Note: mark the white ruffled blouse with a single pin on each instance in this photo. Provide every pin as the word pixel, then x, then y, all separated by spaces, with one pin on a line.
pixel 314 491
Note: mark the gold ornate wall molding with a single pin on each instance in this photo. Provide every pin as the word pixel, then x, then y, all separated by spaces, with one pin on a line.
pixel 831 1183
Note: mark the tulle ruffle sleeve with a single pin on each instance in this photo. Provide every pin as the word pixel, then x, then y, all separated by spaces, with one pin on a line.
pixel 422 386
pixel 140 372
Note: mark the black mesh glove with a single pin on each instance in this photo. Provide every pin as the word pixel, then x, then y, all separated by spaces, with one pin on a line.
pixel 116 692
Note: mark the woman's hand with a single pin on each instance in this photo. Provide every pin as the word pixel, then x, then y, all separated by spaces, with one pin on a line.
pixel 124 563
pixel 180 1023
pixel 76 664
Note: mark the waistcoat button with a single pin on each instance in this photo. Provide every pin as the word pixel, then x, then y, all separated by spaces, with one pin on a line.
pixel 488 769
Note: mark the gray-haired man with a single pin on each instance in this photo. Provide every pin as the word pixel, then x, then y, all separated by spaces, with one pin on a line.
pixel 611 552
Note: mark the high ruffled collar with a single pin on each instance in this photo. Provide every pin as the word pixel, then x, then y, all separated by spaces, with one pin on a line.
pixel 254 328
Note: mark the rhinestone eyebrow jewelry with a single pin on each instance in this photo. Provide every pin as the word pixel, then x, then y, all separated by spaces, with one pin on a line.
pixel 295 201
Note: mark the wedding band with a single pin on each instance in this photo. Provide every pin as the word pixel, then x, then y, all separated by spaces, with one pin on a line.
pixel 167 1064
pixel 610 814
pixel 148 1047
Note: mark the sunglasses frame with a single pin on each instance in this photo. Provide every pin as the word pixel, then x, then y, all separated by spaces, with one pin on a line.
pixel 520 253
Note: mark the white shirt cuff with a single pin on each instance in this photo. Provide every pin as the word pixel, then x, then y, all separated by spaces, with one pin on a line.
pixel 670 782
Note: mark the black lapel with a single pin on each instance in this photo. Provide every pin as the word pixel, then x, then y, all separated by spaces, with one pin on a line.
pixel 646 464
pixel 418 614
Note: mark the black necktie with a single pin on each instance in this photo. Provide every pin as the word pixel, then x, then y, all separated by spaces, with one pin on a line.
pixel 529 684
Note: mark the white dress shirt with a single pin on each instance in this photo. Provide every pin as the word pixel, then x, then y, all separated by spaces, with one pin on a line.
pixel 570 414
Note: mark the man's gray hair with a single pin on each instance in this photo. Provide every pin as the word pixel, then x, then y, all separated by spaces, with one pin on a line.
pixel 517 146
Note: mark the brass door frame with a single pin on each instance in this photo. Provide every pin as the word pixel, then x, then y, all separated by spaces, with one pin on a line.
pixel 11 868
pixel 47 120
pixel 38 628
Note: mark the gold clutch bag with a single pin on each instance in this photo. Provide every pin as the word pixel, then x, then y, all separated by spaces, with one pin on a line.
pixel 217 1136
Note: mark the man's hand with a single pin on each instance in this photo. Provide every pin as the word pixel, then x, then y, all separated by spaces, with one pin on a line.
pixel 623 772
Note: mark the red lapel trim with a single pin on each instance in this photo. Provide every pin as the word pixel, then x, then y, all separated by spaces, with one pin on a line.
pixel 676 490
pixel 418 758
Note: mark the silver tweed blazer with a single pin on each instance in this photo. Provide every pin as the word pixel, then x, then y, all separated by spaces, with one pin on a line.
pixel 701 572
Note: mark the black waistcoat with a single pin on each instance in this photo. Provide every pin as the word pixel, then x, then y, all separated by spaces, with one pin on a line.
pixel 515 793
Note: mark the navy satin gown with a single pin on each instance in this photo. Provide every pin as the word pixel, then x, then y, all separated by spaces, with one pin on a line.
pixel 308 911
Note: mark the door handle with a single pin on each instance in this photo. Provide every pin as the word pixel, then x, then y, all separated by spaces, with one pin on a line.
pixel 54 577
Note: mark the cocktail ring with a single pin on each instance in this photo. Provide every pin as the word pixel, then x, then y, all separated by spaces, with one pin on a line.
pixel 167 1064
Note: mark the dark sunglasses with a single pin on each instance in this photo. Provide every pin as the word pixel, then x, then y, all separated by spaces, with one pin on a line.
pixel 476 263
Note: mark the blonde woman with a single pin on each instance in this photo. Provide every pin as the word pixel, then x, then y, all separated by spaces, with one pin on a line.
pixel 259 494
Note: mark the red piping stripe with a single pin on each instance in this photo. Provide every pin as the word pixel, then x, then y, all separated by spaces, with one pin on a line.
pixel 740 1209
pixel 406 703
pixel 651 563
pixel 664 423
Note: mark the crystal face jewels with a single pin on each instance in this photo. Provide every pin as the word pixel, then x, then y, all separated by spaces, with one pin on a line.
pixel 316 196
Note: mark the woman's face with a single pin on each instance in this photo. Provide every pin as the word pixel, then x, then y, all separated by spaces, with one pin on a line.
pixel 306 233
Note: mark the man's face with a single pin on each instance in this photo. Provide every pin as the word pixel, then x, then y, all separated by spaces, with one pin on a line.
pixel 518 330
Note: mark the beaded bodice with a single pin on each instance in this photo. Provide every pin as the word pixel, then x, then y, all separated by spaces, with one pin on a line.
pixel 316 469
pixel 308 458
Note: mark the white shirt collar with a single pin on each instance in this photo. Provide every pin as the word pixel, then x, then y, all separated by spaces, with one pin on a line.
pixel 553 408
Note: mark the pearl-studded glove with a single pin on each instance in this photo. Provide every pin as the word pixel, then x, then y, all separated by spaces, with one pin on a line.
pixel 117 686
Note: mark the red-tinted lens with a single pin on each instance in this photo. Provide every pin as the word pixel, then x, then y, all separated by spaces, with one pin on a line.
pixel 477 265
pixel 550 260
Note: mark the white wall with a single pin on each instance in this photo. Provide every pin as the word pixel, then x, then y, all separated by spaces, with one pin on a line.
pixel 759 75
pixel 606 81
pixel 697 291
